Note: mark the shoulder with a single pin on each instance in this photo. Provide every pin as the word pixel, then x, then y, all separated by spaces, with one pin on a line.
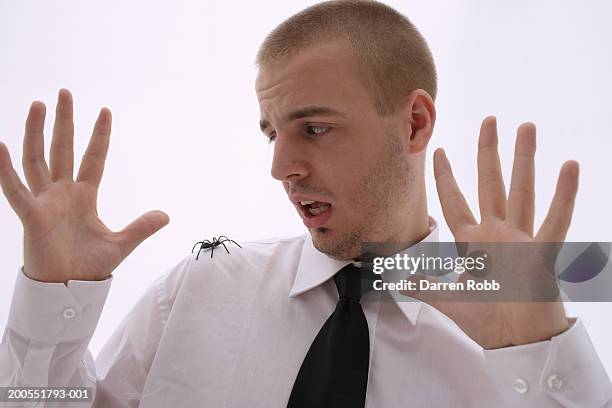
pixel 244 260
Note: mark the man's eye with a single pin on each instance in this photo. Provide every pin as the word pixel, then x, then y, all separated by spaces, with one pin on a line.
pixel 316 130
pixel 271 138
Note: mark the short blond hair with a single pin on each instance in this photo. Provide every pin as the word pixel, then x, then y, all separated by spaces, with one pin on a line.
pixel 392 56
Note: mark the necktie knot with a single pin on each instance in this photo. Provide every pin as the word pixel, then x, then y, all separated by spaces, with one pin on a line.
pixel 352 282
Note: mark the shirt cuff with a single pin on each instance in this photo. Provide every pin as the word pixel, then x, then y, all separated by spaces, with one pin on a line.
pixel 54 312
pixel 565 369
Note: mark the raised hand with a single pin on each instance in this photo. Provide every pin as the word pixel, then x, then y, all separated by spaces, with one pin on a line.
pixel 63 237
pixel 499 324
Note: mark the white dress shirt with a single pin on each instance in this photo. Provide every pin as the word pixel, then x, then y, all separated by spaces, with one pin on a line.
pixel 232 331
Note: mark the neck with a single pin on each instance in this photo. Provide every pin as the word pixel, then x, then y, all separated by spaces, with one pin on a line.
pixel 413 222
pixel 412 228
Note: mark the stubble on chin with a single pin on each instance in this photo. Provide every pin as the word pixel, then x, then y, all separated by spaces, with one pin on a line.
pixel 345 247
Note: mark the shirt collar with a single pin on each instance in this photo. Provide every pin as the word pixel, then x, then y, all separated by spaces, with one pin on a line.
pixel 314 268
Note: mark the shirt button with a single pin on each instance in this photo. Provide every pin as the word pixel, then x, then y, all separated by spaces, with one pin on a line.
pixel 554 382
pixel 69 313
pixel 520 386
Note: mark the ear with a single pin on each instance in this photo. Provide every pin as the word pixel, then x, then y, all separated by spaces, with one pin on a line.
pixel 418 116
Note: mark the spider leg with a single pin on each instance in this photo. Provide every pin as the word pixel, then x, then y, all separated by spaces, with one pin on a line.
pixel 200 250
pixel 212 249
pixel 231 240
pixel 196 244
pixel 221 242
pixel 224 238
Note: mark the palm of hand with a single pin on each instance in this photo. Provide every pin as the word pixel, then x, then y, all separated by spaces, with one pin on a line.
pixel 63 236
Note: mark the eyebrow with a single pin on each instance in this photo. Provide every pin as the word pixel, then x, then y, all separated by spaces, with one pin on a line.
pixel 304 113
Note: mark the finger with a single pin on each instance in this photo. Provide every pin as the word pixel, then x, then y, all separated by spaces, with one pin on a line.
pixel 34 164
pixel 454 207
pixel 92 165
pixel 491 190
pixel 140 229
pixel 557 221
pixel 61 158
pixel 17 194
pixel 521 198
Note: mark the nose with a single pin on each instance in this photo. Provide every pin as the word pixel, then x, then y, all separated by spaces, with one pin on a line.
pixel 289 160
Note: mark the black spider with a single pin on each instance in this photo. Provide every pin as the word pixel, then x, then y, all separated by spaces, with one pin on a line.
pixel 215 242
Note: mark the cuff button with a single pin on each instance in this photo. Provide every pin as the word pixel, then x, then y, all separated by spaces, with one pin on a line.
pixel 554 382
pixel 69 313
pixel 520 386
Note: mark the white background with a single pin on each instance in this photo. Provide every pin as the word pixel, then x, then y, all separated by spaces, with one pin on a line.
pixel 179 79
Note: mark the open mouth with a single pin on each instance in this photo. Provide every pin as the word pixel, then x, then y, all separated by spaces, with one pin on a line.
pixel 315 213
pixel 314 208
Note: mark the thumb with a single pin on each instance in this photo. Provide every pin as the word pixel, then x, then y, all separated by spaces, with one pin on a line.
pixel 140 229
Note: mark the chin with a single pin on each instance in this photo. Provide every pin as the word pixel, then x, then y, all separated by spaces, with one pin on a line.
pixel 335 245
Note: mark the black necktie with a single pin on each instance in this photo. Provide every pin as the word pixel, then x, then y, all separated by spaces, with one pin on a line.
pixel 334 373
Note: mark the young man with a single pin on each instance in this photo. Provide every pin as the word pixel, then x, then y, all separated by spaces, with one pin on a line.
pixel 346 92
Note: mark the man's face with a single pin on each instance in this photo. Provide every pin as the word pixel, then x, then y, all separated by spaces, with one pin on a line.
pixel 331 147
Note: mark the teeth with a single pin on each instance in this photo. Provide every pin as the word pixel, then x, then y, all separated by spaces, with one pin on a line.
pixel 306 202
pixel 317 211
